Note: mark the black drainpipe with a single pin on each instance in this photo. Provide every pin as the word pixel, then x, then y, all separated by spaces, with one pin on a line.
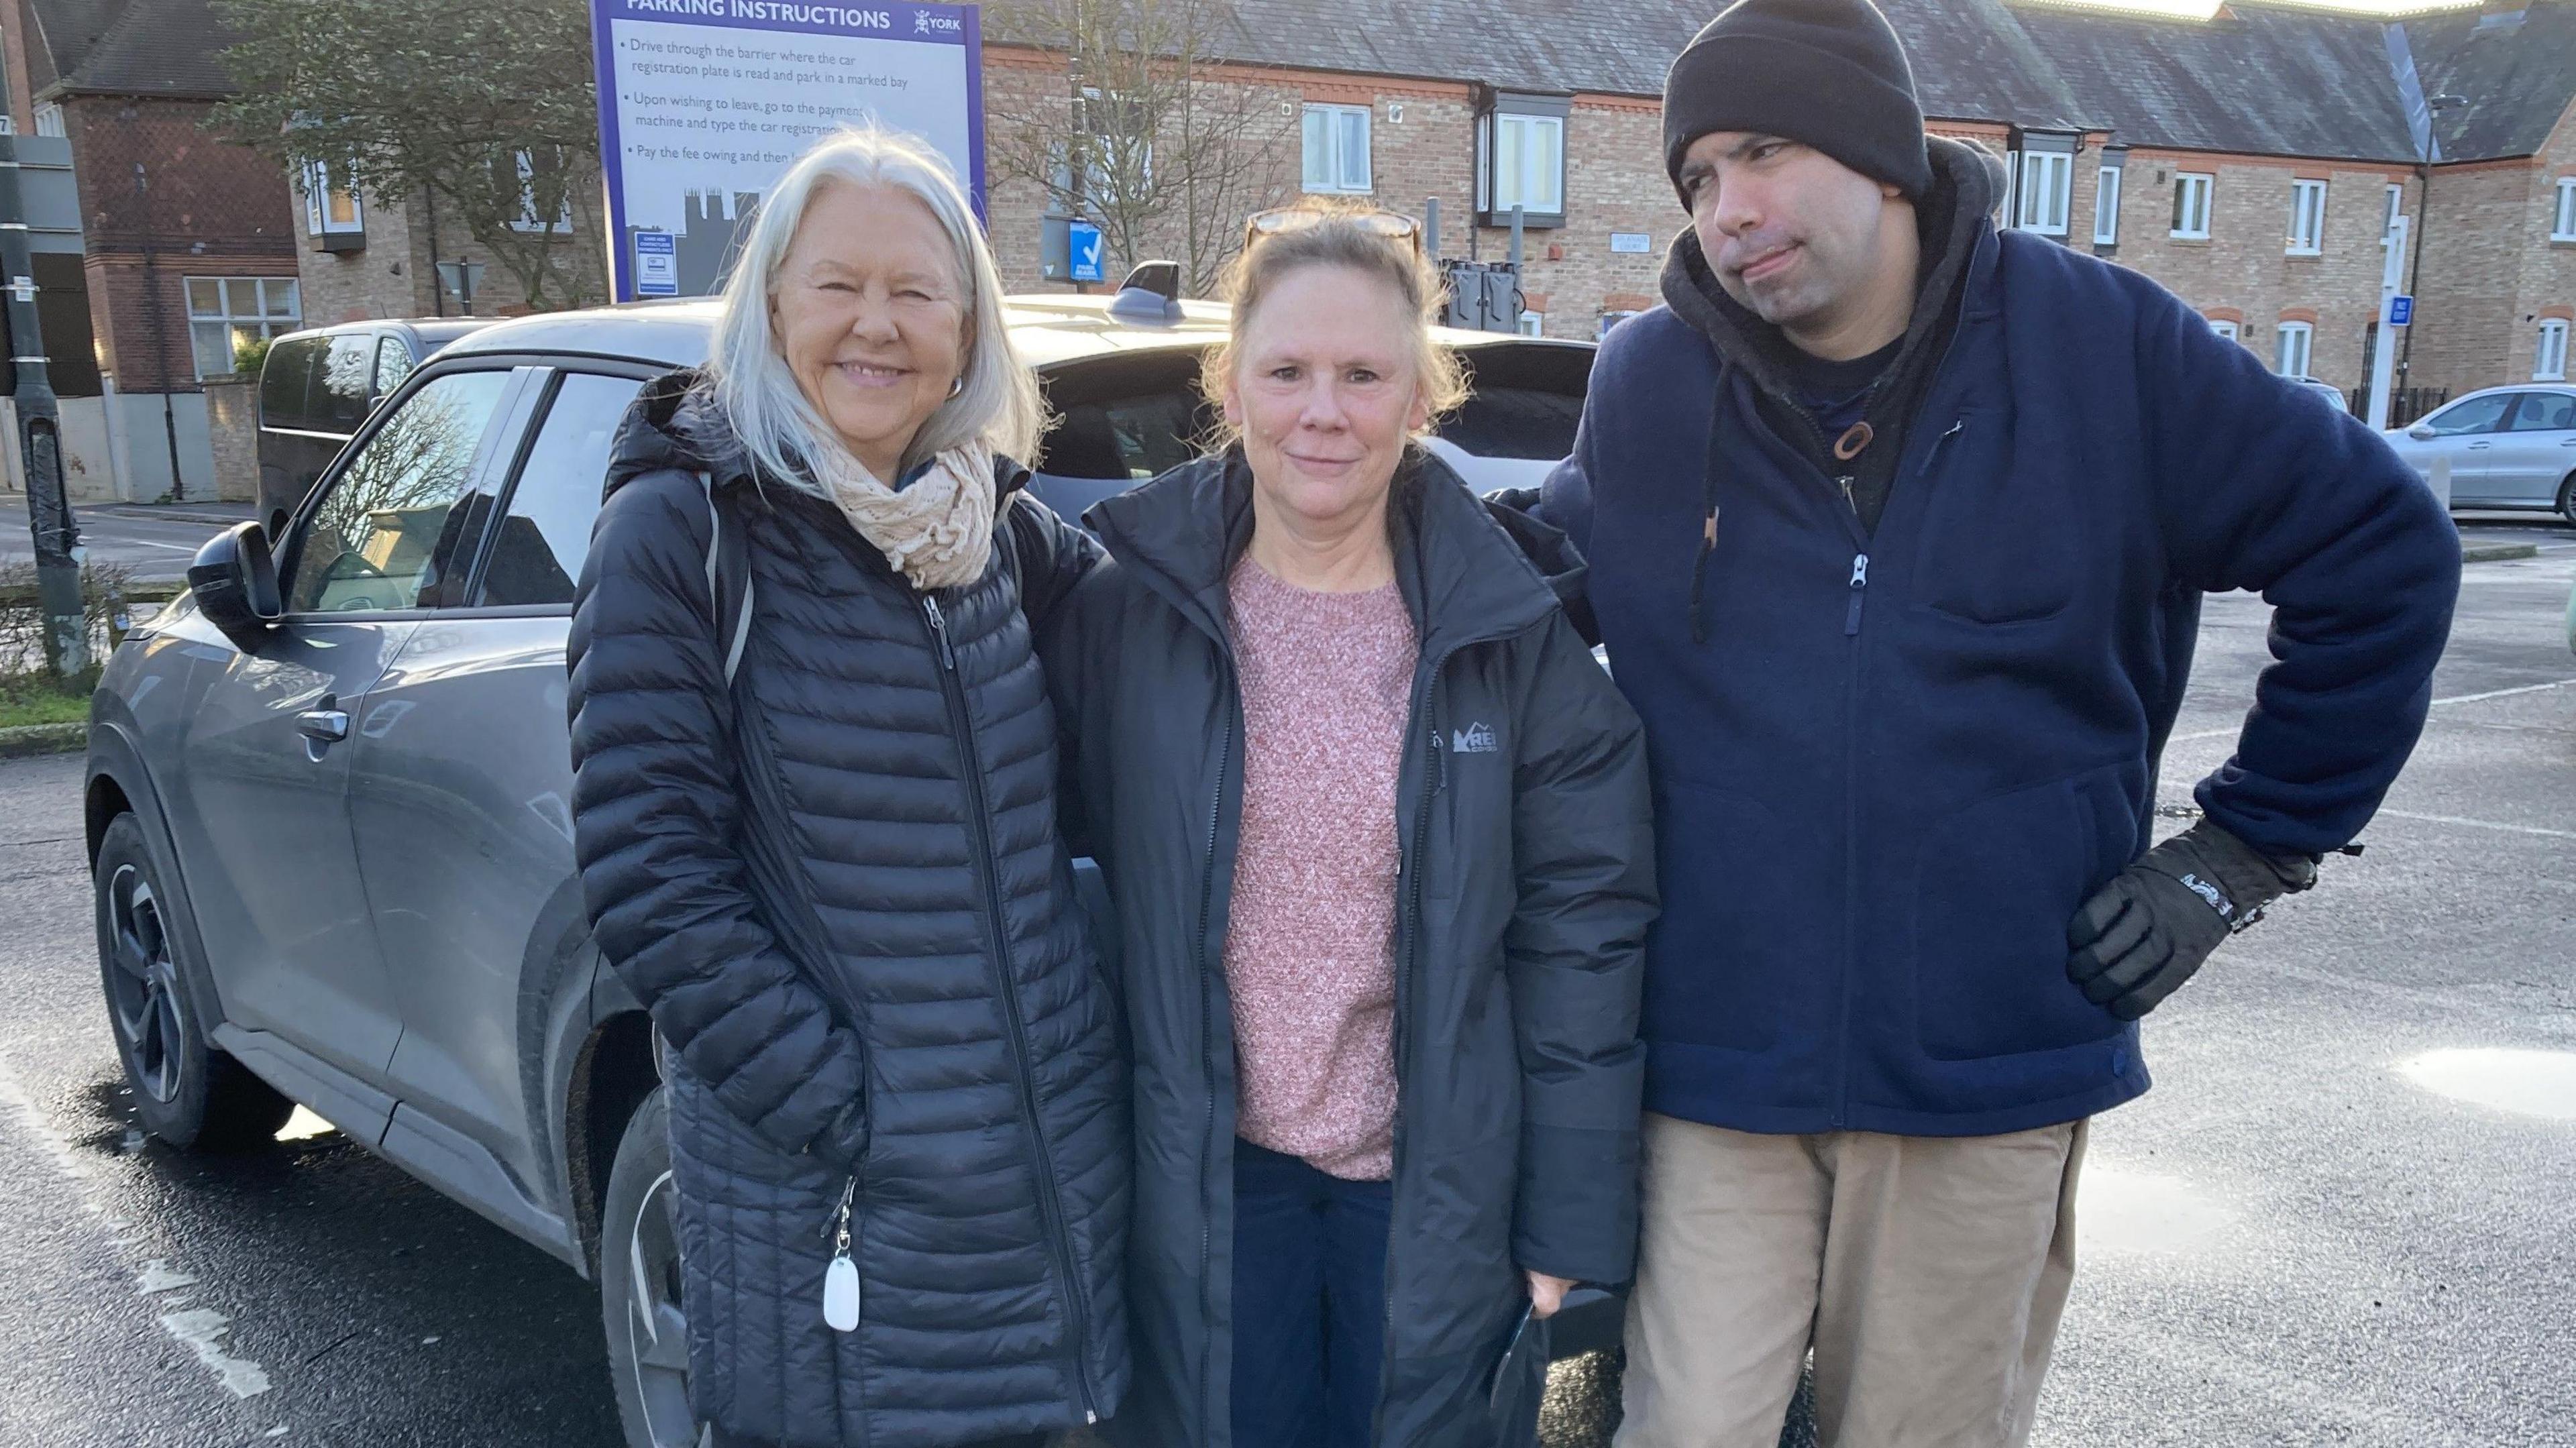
pixel 161 342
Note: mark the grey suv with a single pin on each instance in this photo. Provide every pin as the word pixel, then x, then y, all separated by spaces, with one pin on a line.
pixel 327 787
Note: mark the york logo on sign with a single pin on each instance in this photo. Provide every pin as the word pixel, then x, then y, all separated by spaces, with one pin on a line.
pixel 925 22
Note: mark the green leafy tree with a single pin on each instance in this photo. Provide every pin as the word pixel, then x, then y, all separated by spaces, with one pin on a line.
pixel 487 104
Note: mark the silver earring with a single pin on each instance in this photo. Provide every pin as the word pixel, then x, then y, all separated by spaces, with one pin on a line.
pixel 957 385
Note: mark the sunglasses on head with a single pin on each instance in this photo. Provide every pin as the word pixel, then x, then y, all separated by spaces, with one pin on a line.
pixel 1394 226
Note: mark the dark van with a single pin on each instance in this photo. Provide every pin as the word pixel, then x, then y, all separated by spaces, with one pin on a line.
pixel 318 385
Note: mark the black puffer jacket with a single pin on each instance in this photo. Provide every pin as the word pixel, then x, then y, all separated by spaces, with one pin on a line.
pixel 1527 887
pixel 840 890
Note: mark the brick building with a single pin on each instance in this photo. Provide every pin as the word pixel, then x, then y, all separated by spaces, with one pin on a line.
pixel 185 243
pixel 2253 158
pixel 369 256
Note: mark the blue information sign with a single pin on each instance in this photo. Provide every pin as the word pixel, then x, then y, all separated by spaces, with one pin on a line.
pixel 1083 251
pixel 2401 311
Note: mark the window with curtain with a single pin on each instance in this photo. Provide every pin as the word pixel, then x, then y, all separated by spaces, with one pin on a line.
pixel 2307 218
pixel 2047 184
pixel 2549 361
pixel 2192 194
pixel 1337 148
pixel 2291 357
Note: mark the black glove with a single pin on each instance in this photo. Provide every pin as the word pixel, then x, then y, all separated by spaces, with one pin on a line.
pixel 2141 936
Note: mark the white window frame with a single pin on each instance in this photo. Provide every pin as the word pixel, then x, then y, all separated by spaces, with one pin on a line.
pixel 1508 134
pixel 2046 192
pixel 2549 359
pixel 2225 328
pixel 2562 216
pixel 49 119
pixel 2298 337
pixel 1322 138
pixel 318 191
pixel 2307 218
pixel 2106 207
pixel 277 308
pixel 2191 223
pixel 1533 324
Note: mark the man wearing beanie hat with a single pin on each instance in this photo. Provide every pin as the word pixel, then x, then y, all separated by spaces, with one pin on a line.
pixel 1900 527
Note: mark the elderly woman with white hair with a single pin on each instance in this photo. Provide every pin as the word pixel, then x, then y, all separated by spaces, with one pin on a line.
pixel 815 815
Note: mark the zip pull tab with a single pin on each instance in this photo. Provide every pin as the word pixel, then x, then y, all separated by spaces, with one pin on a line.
pixel 841 1279
pixel 1859 583
pixel 1932 454
pixel 939 632
pixel 1845 483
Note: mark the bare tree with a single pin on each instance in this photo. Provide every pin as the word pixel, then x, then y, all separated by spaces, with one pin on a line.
pixel 1143 138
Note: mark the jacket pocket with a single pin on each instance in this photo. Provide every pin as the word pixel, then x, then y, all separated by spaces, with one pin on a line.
pixel 2000 543
pixel 1996 883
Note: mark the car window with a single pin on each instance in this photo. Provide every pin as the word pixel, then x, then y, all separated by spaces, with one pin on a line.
pixel 2473 414
pixel 340 391
pixel 1516 422
pixel 388 531
pixel 2545 412
pixel 537 553
pixel 284 379
pixel 393 364
pixel 1129 438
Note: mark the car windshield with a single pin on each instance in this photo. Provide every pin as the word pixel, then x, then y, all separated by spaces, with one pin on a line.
pixel 1125 418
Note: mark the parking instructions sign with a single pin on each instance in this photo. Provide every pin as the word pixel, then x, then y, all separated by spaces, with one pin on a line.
pixel 2401 311
pixel 702 103
pixel 657 264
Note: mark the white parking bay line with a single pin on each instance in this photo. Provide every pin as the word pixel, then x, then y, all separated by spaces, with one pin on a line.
pixel 2434 819
pixel 201 1329
pixel 2438 704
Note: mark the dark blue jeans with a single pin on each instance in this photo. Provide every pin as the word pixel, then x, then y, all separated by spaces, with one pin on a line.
pixel 1309 1303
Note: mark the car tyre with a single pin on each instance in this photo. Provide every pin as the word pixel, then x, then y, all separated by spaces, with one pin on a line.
pixel 2567 498
pixel 186 1092
pixel 639 1286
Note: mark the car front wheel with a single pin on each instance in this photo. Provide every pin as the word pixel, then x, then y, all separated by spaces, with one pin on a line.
pixel 639 1286
pixel 186 1092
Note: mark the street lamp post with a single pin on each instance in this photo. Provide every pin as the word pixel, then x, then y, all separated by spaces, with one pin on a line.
pixel 49 510
pixel 2433 108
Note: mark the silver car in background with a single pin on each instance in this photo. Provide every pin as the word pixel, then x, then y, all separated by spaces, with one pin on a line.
pixel 2505 447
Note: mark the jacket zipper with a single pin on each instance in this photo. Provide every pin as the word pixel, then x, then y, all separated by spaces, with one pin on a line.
pixel 1435 772
pixel 979 823
pixel 1207 1058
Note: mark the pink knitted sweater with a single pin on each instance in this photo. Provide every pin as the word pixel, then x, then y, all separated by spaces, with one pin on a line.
pixel 1327 682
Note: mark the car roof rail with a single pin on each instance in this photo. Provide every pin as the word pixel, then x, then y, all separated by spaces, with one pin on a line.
pixel 1151 293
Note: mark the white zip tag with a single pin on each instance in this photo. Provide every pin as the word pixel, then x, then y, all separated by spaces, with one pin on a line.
pixel 841 1295
pixel 841 1279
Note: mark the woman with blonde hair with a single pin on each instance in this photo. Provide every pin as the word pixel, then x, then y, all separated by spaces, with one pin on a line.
pixel 814 811
pixel 1376 825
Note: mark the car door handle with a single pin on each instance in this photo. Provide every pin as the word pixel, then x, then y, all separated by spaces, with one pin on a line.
pixel 2473 447
pixel 327 725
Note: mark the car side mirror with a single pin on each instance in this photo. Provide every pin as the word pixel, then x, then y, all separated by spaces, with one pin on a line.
pixel 2422 432
pixel 234 582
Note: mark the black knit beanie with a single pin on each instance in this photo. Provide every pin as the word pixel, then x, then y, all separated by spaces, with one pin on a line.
pixel 1829 73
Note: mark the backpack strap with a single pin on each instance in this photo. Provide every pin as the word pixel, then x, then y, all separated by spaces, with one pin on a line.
pixel 728 580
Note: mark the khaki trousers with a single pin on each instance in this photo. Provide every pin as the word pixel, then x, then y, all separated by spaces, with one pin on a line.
pixel 1928 1274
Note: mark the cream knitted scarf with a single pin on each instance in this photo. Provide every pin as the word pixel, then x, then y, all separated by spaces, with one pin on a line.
pixel 938 530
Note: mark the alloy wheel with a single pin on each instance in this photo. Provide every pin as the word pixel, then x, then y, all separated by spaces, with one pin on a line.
pixel 658 1335
pixel 143 989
